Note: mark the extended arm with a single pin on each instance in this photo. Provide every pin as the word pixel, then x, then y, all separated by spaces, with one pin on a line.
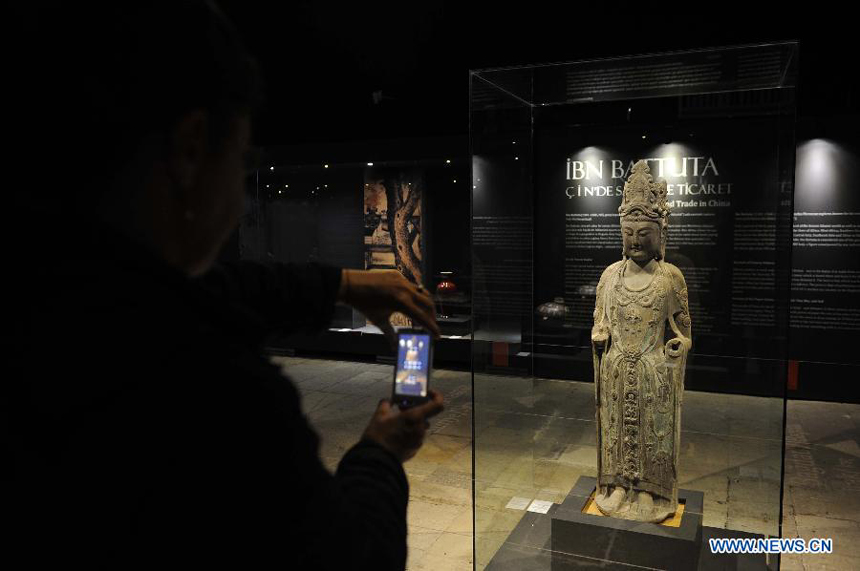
pixel 285 297
pixel 290 297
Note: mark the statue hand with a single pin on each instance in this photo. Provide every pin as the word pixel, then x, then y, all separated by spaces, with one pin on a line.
pixel 676 347
pixel 599 340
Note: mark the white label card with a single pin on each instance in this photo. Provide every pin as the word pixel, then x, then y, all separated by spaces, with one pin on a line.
pixel 518 503
pixel 539 506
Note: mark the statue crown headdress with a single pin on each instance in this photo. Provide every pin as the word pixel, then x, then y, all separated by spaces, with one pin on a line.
pixel 643 195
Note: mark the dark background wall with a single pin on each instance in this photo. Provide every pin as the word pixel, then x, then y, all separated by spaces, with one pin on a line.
pixel 324 61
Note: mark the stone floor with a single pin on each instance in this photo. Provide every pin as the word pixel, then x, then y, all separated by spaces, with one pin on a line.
pixel 534 438
pixel 822 482
pixel 339 398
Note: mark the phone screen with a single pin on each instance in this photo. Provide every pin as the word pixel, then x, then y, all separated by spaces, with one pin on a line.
pixel 413 364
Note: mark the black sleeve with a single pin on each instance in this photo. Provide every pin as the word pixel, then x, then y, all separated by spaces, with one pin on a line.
pixel 368 473
pixel 286 297
pixel 355 519
pixel 247 489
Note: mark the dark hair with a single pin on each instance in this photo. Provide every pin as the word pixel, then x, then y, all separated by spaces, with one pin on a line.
pixel 133 69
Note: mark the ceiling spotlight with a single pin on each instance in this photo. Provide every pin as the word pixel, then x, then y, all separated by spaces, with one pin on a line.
pixel 325 166
pixel 643 136
pixel 455 181
pixel 271 168
pixel 267 186
pixel 516 158
pixel 370 164
pixel 448 161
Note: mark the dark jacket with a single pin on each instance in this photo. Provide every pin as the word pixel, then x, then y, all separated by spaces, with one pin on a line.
pixel 146 430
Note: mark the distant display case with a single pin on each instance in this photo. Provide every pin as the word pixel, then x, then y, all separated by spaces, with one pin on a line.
pixel 353 214
pixel 552 147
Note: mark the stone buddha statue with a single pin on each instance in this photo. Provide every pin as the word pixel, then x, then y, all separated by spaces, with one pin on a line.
pixel 638 373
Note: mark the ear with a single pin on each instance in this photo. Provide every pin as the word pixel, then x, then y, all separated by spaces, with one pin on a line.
pixel 187 148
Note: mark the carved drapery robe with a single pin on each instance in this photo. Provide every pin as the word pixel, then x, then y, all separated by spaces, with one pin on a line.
pixel 640 383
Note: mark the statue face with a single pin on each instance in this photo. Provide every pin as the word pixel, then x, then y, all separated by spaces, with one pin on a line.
pixel 641 240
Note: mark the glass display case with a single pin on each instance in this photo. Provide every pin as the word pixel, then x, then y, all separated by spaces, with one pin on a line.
pixel 557 164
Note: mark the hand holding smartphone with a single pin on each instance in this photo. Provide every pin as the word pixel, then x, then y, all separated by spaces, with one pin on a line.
pixel 402 431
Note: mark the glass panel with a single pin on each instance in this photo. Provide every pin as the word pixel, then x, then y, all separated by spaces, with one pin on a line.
pixel 502 302
pixel 718 127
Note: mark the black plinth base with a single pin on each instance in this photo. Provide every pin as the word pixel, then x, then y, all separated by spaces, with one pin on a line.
pixel 532 544
pixel 628 542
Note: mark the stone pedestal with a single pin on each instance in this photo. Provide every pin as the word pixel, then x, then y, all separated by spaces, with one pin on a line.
pixel 625 542
pixel 565 539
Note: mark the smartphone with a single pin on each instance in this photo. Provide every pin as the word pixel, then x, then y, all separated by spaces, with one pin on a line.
pixel 412 369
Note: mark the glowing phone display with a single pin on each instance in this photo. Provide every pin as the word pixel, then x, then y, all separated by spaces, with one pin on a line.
pixel 412 373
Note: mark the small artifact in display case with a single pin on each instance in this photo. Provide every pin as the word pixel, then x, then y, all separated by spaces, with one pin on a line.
pixel 552 309
pixel 444 289
pixel 638 374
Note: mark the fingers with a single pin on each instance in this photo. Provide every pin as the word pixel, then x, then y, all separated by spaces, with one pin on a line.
pixel 408 305
pixel 435 405
pixel 429 409
pixel 418 304
pixel 423 311
pixel 424 301
pixel 383 408
pixel 426 320
pixel 424 304
pixel 388 330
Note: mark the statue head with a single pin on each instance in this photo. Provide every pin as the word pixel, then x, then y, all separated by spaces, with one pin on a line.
pixel 644 215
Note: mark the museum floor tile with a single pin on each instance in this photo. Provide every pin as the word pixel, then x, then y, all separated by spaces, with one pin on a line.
pixel 536 437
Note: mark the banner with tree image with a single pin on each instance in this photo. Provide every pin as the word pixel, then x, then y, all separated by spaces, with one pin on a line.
pixel 392 224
